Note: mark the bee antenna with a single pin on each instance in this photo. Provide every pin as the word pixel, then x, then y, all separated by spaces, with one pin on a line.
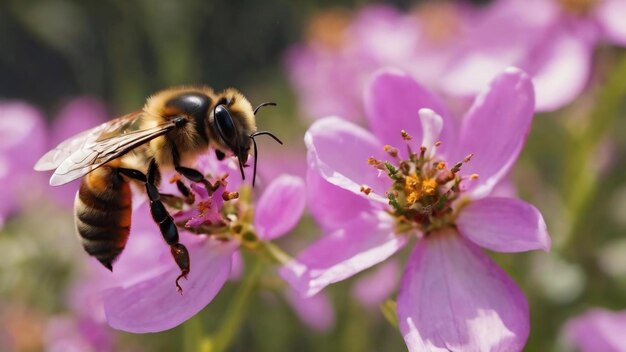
pixel 268 103
pixel 256 154
pixel 255 161
pixel 267 133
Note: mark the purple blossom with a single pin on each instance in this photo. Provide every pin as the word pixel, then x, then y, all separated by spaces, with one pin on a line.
pixel 551 40
pixel 142 297
pixel 372 194
pixel 22 141
pixel 597 330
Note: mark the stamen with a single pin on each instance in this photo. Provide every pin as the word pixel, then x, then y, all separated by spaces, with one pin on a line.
pixel 226 196
pixel 437 144
pixel 405 135
pixel 366 190
pixel 473 177
pixel 468 158
pixel 393 152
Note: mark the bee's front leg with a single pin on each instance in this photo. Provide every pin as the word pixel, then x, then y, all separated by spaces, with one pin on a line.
pixel 168 228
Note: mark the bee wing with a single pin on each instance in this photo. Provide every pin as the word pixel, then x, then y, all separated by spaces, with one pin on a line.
pixel 96 153
pixel 52 159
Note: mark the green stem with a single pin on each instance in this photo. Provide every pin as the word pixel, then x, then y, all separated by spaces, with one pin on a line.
pixel 229 327
pixel 581 176
pixel 274 252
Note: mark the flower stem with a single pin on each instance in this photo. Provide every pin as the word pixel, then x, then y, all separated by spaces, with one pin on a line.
pixel 581 175
pixel 231 324
pixel 274 252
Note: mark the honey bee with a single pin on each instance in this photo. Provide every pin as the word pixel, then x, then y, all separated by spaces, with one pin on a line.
pixel 174 126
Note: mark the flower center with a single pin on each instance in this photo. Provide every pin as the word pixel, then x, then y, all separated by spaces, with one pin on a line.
pixel 216 212
pixel 424 188
pixel 578 7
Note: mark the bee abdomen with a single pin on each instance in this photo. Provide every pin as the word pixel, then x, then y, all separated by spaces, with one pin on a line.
pixel 102 214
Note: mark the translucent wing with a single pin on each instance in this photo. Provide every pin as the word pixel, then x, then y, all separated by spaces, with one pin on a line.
pixel 94 154
pixel 52 159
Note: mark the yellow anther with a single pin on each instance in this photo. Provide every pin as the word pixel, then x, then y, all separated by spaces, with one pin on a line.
pixel 441 165
pixel 412 188
pixel 429 186
pixel 473 177
pixel 391 150
pixel 405 135
pixel 230 195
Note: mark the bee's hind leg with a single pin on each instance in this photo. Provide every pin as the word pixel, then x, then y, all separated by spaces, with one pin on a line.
pixel 162 218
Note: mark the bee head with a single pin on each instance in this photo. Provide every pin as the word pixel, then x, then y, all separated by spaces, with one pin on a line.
pixel 233 120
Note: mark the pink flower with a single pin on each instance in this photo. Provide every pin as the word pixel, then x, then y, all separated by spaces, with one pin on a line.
pixel 552 40
pixel 22 141
pixel 142 297
pixel 451 296
pixel 597 330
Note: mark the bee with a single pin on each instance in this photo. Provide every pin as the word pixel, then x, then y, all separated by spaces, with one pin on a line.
pixel 173 128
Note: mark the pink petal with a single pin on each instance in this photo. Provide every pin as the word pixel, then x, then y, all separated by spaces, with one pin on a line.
pixel 455 298
pixel 610 13
pixel 495 129
pixel 339 150
pixel 377 285
pixel 316 312
pixel 280 207
pixel 597 330
pixel 504 225
pixel 362 243
pixel 154 305
pixel 560 66
pixel 331 205
pixel 392 102
pixel 432 124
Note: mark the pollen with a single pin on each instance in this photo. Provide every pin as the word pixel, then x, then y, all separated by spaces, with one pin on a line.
pixel 366 190
pixel 473 177
pixel 405 135
pixel 429 186
pixel 412 189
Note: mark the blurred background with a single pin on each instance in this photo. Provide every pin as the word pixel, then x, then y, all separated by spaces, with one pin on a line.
pixel 73 64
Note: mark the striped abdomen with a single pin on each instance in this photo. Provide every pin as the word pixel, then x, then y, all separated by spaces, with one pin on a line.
pixel 102 214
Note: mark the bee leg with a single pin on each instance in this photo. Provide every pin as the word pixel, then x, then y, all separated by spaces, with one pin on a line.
pixel 168 228
pixel 195 176
pixel 192 175
pixel 184 190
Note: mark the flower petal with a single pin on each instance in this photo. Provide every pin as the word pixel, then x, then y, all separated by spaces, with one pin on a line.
pixel 331 205
pixel 494 129
pixel 455 298
pixel 392 102
pixel 611 16
pixel 504 225
pixel 560 65
pixel 154 305
pixel 432 124
pixel 377 285
pixel 280 207
pixel 597 330
pixel 364 242
pixel 316 312
pixel 339 151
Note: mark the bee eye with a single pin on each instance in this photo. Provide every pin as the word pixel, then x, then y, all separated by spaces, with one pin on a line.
pixel 225 125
